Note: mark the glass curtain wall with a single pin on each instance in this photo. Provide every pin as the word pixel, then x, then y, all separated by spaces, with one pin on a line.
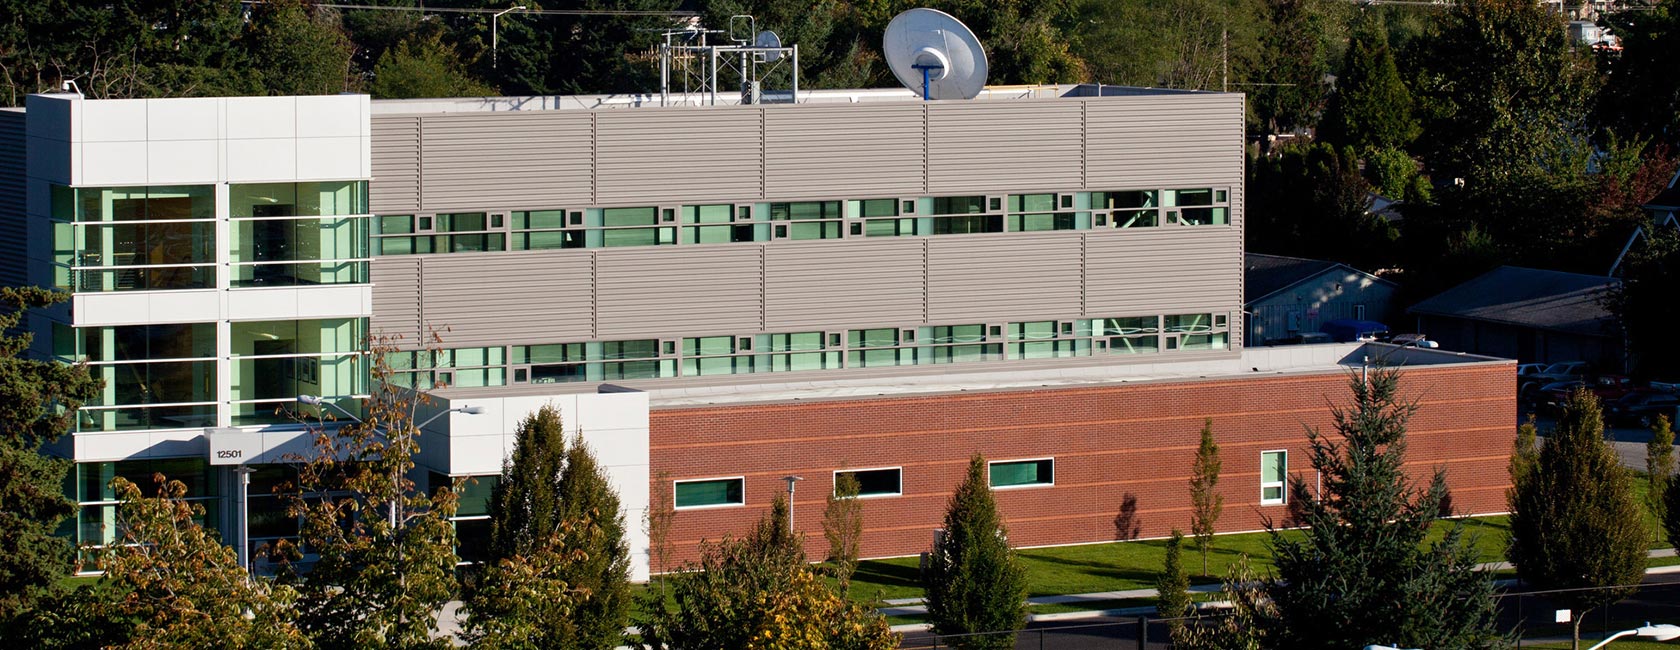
pixel 95 524
pixel 134 238
pixel 156 376
pixel 276 361
pixel 291 234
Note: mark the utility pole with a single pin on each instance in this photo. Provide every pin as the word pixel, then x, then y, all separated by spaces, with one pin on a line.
pixel 495 39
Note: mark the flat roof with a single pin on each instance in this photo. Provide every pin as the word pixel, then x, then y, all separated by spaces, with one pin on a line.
pixel 772 98
pixel 993 376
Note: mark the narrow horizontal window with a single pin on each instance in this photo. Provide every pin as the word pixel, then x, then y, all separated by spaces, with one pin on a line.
pixel 1023 473
pixel 710 493
pixel 885 482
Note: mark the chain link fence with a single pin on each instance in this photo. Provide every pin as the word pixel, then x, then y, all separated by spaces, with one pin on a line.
pixel 1530 617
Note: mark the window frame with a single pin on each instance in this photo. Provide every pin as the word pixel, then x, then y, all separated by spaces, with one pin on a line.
pixel 1027 486
pixel 835 482
pixel 742 504
pixel 1282 485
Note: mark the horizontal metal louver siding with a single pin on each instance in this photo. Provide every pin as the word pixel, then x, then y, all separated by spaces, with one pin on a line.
pixel 669 291
pixel 850 283
pixel 995 147
pixel 652 156
pixel 993 278
pixel 846 152
pixel 513 160
pixel 498 299
pixel 395 188
pixel 1163 271
pixel 1138 142
pixel 14 229
pixel 1239 320
pixel 396 300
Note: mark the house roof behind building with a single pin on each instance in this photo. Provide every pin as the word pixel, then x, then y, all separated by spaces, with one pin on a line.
pixel 1571 303
pixel 1669 197
pixel 1264 275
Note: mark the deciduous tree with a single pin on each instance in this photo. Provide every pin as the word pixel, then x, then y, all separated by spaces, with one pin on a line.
pixel 592 529
pixel 1370 521
pixel 386 549
pixel 843 527
pixel 1575 523
pixel 297 48
pixel 973 580
pixel 181 587
pixel 424 66
pixel 1206 503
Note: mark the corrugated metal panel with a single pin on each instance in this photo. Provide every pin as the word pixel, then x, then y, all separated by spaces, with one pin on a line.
pixel 1163 270
pixel 845 151
pixel 503 298
pixel 694 290
pixel 14 238
pixel 846 283
pixel 396 299
pixel 1001 277
pixel 395 188
pixel 1137 142
pixel 1239 321
pixel 1004 146
pixel 509 160
pixel 653 156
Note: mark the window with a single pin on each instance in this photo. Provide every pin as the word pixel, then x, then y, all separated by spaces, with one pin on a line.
pixel 275 361
pixel 1023 473
pixel 710 493
pixel 134 238
pixel 1273 467
pixel 884 482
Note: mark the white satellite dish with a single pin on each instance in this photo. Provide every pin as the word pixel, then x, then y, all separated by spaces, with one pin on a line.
pixel 935 55
pixel 769 39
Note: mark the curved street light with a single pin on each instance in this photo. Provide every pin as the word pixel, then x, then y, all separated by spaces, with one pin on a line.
pixel 1658 632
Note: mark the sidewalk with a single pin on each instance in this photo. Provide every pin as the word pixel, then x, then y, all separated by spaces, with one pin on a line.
pixel 914 606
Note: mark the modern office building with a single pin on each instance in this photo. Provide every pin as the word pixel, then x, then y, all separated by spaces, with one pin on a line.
pixel 717 297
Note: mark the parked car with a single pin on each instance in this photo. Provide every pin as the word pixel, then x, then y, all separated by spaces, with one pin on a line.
pixel 1348 330
pixel 1528 389
pixel 1304 338
pixel 1608 388
pixel 1412 341
pixel 1526 370
pixel 1641 408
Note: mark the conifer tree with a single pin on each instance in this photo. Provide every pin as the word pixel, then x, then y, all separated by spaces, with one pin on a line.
pixel 1659 466
pixel 525 504
pixel 1205 501
pixel 973 580
pixel 1172 587
pixel 593 529
pixel 1371 109
pixel 1362 561
pixel 843 526
pixel 1574 521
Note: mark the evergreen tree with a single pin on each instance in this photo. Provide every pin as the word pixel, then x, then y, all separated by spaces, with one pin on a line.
pixel 757 592
pixel 1205 501
pixel 1575 523
pixel 1172 587
pixel 592 529
pixel 1659 466
pixel 182 587
pixel 38 403
pixel 1370 522
pixel 1642 96
pixel 525 505
pixel 424 66
pixel 1371 109
pixel 1525 452
pixel 386 549
pixel 973 580
pixel 1290 94
pixel 843 526
pixel 519 602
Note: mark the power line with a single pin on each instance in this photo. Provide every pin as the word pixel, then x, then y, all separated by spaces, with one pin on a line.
pixel 540 12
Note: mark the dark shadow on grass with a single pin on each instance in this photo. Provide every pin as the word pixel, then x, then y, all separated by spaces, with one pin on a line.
pixel 887 574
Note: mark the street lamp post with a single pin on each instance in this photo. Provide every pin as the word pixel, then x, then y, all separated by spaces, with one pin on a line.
pixel 395 477
pixel 1659 632
pixel 790 481
pixel 495 38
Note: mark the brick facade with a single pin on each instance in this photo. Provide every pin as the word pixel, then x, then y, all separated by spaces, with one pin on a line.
pixel 1123 452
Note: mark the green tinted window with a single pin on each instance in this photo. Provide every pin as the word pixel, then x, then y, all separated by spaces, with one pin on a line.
pixel 1023 472
pixel 719 492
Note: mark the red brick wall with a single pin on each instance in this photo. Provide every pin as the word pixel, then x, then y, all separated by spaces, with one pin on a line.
pixel 1114 445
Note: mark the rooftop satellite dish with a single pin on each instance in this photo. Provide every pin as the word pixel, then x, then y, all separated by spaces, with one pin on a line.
pixel 769 39
pixel 934 55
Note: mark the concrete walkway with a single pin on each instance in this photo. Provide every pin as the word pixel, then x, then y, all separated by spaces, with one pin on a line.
pixel 914 606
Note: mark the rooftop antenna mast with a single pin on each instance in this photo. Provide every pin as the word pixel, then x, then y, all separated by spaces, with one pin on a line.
pixel 750 56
